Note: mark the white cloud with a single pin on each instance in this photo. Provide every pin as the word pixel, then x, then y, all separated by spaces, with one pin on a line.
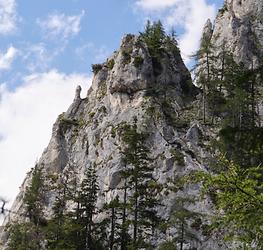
pixel 7 58
pixel 8 16
pixel 153 5
pixel 97 54
pixel 38 58
pixel 61 26
pixel 26 118
pixel 188 15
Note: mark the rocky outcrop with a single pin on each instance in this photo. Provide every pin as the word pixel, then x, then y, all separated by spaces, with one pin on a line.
pixel 161 96
pixel 239 26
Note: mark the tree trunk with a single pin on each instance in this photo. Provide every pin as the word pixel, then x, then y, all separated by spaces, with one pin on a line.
pixel 135 226
pixel 123 230
pixel 182 236
pixel 112 228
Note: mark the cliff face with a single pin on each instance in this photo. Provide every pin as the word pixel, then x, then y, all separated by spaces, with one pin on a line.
pixel 239 24
pixel 161 96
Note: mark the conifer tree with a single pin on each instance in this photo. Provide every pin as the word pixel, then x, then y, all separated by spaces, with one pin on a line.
pixel 204 70
pixel 180 218
pixel 138 175
pixel 58 230
pixel 87 199
pixel 30 235
pixel 113 211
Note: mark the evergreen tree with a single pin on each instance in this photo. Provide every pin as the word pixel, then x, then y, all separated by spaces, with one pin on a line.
pixel 58 229
pixel 113 210
pixel 138 176
pixel 238 199
pixel 34 199
pixel 205 71
pixel 30 235
pixel 87 207
pixel 180 218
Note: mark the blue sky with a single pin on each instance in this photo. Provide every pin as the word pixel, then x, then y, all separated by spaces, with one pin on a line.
pixel 46 50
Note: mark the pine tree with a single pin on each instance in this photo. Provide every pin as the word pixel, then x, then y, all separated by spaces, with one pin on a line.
pixel 139 179
pixel 30 235
pixel 180 218
pixel 87 200
pixel 204 70
pixel 35 197
pixel 112 222
pixel 57 231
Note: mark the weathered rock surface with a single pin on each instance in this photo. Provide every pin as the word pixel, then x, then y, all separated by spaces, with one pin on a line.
pixel 239 24
pixel 162 97
pixel 87 132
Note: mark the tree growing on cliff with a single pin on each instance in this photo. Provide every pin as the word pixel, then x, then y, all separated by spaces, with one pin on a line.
pixel 30 234
pixel 143 187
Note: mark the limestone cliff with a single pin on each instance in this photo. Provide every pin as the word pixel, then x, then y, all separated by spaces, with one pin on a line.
pixel 161 96
pixel 239 24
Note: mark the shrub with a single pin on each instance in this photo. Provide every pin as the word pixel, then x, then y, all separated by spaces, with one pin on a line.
pixel 96 68
pixel 178 156
pixel 138 61
pixel 102 91
pixel 110 64
pixel 126 56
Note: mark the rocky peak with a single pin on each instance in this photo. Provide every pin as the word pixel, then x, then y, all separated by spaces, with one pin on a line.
pixel 158 91
pixel 208 30
pixel 238 26
pixel 241 8
pixel 132 69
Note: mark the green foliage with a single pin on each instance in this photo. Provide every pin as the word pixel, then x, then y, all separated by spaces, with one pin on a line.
pixel 102 91
pixel 156 39
pixel 243 146
pixel 29 235
pixel 126 53
pixel 24 236
pixel 102 109
pixel 34 198
pixel 69 122
pixel 91 114
pixel 110 64
pixel 154 36
pixel 180 219
pixel 239 201
pixel 96 68
pixel 168 245
pixel 178 156
pixel 138 177
pixel 138 61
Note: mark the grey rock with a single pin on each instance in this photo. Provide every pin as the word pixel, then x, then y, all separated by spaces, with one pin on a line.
pixel 239 25
pixel 87 134
pixel 194 134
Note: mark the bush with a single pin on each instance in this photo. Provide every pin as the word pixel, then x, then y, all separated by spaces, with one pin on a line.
pixel 110 64
pixel 138 61
pixel 96 68
pixel 102 91
pixel 127 55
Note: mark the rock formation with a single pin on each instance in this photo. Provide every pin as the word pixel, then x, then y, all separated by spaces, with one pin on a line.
pixel 129 84
pixel 239 24
pixel 160 94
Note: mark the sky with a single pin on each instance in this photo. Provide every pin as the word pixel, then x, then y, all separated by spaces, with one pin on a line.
pixel 46 50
